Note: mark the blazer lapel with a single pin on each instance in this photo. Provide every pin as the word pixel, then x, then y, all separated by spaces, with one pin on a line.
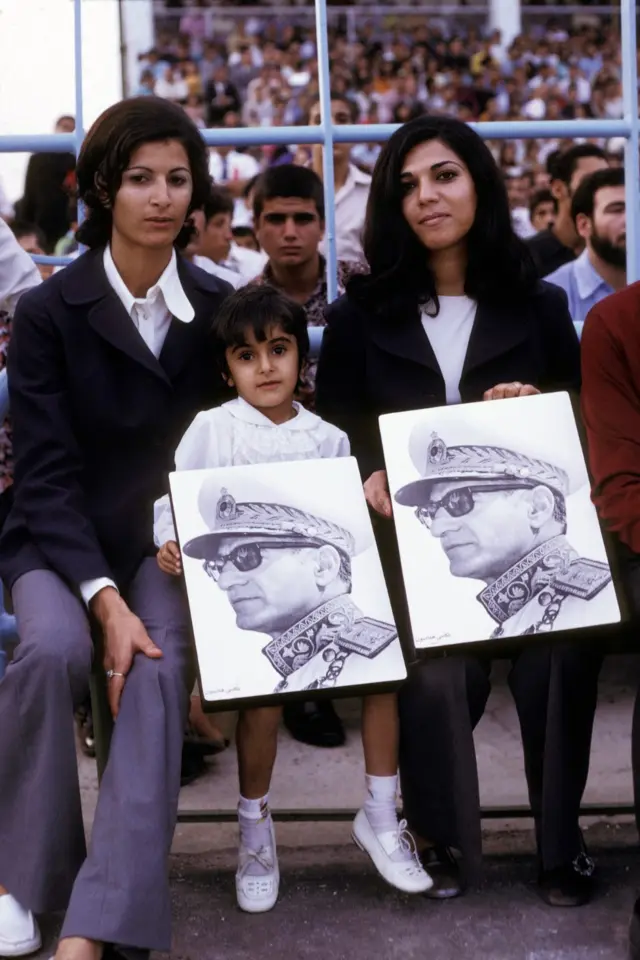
pixel 496 331
pixel 110 320
pixel 180 342
pixel 84 283
pixel 406 338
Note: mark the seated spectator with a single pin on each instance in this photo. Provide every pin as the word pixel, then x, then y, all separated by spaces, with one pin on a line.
pixel 518 191
pixel 104 379
pixel 68 244
pixel 32 239
pixel 351 184
pixel 205 236
pixel 598 210
pixel 7 211
pixel 46 191
pixel 216 244
pixel 230 167
pixel 611 412
pixel 221 97
pixel 543 209
pixel 172 86
pixel 289 215
pixel 560 244
pixel 147 85
pixel 18 274
pixel 401 339
pixel 246 237
pixel 243 205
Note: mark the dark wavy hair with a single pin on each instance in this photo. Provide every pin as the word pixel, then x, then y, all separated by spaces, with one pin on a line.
pixel 499 263
pixel 107 150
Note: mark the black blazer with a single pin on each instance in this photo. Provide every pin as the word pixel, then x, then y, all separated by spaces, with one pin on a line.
pixel 96 421
pixel 372 364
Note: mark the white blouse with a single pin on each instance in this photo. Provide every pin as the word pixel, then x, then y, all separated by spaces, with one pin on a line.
pixel 237 434
pixel 449 335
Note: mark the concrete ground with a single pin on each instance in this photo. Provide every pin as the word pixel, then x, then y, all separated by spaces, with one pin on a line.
pixel 332 904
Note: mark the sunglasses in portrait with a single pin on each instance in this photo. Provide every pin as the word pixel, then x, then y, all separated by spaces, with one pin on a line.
pixel 459 502
pixel 248 556
pixel 300 219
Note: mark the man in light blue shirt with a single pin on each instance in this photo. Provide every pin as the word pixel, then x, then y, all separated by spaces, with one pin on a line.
pixel 598 211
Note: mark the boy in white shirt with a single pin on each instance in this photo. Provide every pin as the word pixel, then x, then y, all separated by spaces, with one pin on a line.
pixel 263 345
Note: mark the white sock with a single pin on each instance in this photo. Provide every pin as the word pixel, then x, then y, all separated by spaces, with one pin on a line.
pixel 380 805
pixel 254 818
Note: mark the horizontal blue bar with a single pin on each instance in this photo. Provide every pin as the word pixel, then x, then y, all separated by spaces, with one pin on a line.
pixel 38 143
pixel 371 132
pixel 52 261
pixel 348 133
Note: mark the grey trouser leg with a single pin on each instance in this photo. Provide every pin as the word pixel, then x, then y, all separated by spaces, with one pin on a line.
pixel 42 841
pixel 121 895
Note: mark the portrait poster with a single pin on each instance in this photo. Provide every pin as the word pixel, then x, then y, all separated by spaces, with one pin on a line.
pixel 497 533
pixel 284 582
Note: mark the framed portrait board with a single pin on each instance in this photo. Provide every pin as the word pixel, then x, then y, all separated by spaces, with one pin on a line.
pixel 496 530
pixel 284 582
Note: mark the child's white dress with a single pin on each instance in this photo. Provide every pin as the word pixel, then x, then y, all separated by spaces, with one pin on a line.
pixel 236 434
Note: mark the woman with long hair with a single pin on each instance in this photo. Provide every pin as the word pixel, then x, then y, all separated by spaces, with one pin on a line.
pixel 109 362
pixel 452 312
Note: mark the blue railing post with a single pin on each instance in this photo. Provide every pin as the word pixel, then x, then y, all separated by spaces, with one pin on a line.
pixel 324 78
pixel 632 147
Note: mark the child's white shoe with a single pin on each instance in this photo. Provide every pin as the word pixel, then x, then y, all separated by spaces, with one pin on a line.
pixel 19 934
pixel 258 875
pixel 393 853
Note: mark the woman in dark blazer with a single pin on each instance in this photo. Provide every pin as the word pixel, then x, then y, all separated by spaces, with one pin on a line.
pixel 109 362
pixel 452 312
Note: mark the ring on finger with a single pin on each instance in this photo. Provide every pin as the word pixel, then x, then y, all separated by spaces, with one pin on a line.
pixel 114 673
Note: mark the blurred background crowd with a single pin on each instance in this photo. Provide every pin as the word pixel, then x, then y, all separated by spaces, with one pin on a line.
pixel 261 70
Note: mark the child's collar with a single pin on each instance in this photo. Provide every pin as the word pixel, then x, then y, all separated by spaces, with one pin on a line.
pixel 244 411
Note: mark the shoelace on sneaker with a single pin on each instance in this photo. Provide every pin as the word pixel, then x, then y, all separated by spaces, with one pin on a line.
pixel 262 857
pixel 406 847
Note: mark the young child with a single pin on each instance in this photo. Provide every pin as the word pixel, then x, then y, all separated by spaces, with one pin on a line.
pixel 263 344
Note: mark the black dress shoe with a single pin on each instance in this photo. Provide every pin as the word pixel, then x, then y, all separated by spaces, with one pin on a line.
pixel 634 933
pixel 571 885
pixel 314 723
pixel 193 764
pixel 442 867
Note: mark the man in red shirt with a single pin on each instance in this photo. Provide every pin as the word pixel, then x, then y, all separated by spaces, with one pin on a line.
pixel 611 413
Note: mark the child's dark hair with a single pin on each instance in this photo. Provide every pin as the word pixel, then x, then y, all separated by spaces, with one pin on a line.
pixel 257 307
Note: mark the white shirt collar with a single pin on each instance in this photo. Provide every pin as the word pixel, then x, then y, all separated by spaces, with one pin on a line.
pixel 244 411
pixel 168 287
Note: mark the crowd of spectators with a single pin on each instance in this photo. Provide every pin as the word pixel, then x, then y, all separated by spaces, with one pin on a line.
pixel 264 73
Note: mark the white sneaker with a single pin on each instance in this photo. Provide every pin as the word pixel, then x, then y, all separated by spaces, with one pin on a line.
pixel 19 933
pixel 394 855
pixel 258 875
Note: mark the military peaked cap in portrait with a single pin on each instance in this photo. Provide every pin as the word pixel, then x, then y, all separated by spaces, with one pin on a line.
pixel 241 507
pixel 463 450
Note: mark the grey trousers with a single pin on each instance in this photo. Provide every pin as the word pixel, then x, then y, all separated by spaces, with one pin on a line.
pixel 119 892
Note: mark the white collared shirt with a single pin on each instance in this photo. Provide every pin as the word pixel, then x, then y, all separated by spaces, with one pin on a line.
pixel 237 434
pixel 218 270
pixel 351 208
pixel 235 166
pixel 247 263
pixel 151 316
